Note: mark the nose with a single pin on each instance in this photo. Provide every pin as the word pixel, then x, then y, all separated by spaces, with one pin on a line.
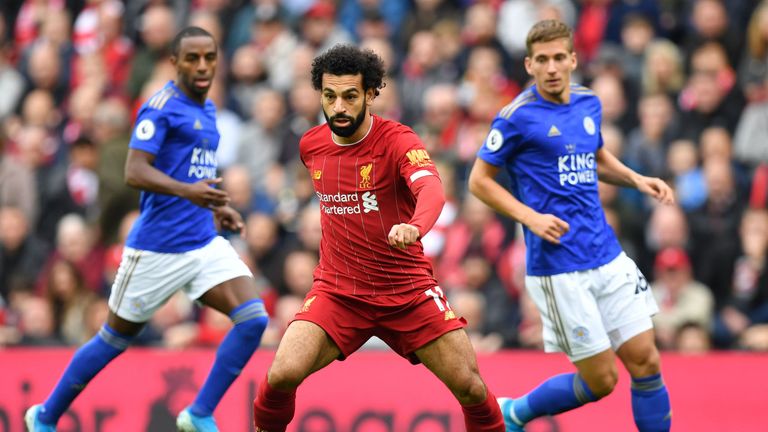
pixel 551 67
pixel 203 65
pixel 338 106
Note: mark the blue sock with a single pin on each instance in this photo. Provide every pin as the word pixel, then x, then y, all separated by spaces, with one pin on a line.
pixel 88 360
pixel 650 404
pixel 555 395
pixel 250 320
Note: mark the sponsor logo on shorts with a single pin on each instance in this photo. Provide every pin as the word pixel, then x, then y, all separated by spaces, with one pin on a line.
pixel 308 304
pixel 137 306
pixel 581 334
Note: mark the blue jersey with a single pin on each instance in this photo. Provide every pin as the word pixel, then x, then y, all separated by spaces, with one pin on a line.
pixel 549 151
pixel 182 135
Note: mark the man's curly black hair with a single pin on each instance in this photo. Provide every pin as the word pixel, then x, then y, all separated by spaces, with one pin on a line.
pixel 349 60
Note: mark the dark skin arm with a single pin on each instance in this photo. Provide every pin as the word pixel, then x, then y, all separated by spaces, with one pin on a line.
pixel 140 173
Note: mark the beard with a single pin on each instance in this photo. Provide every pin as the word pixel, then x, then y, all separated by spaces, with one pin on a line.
pixel 346 131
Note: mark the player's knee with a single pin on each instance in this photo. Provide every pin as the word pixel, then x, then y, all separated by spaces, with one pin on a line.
pixel 469 389
pixel 285 377
pixel 602 384
pixel 646 362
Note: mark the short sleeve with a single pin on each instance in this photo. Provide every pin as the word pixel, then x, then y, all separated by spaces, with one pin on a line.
pixel 150 130
pixel 500 143
pixel 412 158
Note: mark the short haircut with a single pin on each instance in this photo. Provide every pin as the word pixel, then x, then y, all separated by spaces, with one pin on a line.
pixel 185 33
pixel 546 31
pixel 349 60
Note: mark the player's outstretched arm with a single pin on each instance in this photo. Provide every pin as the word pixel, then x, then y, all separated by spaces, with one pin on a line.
pixel 483 184
pixel 612 170
pixel 430 199
pixel 141 174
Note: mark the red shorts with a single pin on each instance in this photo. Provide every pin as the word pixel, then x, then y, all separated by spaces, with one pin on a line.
pixel 405 323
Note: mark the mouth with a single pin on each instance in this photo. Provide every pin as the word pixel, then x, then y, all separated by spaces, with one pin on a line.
pixel 342 122
pixel 202 82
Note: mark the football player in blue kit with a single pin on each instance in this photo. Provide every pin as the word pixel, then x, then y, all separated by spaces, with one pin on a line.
pixel 594 302
pixel 173 245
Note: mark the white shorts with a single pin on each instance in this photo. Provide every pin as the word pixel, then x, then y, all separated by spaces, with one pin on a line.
pixel 587 312
pixel 146 280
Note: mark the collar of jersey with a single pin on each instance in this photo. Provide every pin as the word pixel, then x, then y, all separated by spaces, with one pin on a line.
pixel 370 128
pixel 546 101
pixel 183 96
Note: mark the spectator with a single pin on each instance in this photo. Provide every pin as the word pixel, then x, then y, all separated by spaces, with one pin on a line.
pixel 686 174
pixel 693 339
pixel 111 133
pixel 36 323
pixel 750 142
pixel 320 29
pixel 753 68
pixel 22 254
pixel 11 81
pixel 69 299
pixel 18 185
pixel 745 303
pixel 157 29
pixel 259 147
pixel 75 243
pixel 647 144
pixel 662 69
pixel 681 299
pixel 715 228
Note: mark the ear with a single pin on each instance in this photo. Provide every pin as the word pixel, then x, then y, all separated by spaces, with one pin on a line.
pixel 528 62
pixel 574 61
pixel 370 95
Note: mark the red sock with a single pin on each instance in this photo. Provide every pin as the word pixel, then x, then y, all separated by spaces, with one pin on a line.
pixel 485 416
pixel 273 409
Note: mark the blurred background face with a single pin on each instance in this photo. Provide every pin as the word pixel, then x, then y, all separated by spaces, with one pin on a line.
pixel 13 227
pixel 269 109
pixel 158 27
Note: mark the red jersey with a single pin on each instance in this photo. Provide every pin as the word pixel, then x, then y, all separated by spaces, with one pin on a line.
pixel 364 189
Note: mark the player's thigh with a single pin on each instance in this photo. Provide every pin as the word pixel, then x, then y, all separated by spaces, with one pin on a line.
pixel 222 281
pixel 571 319
pixel 146 280
pixel 304 348
pixel 625 300
pixel 640 355
pixel 452 359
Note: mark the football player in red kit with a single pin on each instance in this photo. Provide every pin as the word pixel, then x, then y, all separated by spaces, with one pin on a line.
pixel 379 192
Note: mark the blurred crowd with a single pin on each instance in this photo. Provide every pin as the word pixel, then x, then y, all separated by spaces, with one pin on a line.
pixel 684 89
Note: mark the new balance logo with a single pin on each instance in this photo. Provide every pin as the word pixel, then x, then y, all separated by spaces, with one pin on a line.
pixel 198 125
pixel 369 202
pixel 553 131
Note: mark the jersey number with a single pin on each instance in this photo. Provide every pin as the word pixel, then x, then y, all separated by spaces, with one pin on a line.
pixel 439 298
